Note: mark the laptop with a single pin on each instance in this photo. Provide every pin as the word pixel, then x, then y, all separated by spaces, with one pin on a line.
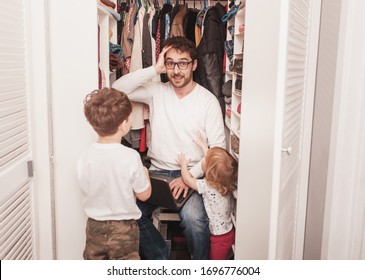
pixel 162 195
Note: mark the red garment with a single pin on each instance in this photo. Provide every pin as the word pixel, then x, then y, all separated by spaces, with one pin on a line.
pixel 143 144
pixel 224 64
pixel 221 245
pixel 239 108
pixel 158 39
pixel 225 56
pixel 127 65
pixel 99 70
pixel 228 112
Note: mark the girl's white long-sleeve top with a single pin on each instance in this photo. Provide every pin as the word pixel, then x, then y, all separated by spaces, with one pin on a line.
pixel 175 122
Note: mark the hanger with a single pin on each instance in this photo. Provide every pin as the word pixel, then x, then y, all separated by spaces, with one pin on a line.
pixel 201 13
pixel 147 5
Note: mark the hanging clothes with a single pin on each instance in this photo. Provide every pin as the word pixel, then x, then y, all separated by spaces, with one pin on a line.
pixel 146 42
pixel 209 72
pixel 137 119
pixel 126 42
pixel 166 9
pixel 199 26
pixel 189 24
pixel 177 28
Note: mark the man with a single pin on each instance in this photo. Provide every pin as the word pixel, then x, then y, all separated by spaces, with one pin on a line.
pixel 179 109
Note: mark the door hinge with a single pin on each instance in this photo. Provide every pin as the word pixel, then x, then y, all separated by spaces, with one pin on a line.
pixel 30 168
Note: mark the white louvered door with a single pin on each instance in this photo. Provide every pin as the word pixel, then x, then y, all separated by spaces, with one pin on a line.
pixel 16 192
pixel 281 39
pixel 296 91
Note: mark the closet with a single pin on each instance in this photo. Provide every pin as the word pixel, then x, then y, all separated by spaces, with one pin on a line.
pixel 281 41
pixel 269 216
pixel 272 85
pixel 107 36
pixel 232 87
pixel 203 22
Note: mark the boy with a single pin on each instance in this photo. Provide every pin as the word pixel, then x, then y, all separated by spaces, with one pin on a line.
pixel 111 177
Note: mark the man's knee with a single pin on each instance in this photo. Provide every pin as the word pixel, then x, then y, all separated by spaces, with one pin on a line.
pixel 193 209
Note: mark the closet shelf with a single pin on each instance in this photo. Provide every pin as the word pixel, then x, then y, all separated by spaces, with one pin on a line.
pixel 237 93
pixel 235 132
pixel 227 121
pixel 235 155
pixel 234 194
pixel 235 32
pixel 236 113
pixel 107 33
pixel 233 73
pixel 103 11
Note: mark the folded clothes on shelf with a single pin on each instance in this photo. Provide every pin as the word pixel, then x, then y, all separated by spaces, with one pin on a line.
pixel 236 66
pixel 235 144
pixel 228 47
pixel 227 100
pixel 231 30
pixel 238 84
pixel 241 28
pixel 227 88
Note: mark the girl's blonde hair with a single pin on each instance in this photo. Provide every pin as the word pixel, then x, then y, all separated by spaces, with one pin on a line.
pixel 221 170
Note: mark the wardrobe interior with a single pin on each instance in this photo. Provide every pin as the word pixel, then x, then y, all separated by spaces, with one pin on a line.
pixel 131 35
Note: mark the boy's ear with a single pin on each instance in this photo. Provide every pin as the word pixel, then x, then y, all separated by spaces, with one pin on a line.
pixel 123 126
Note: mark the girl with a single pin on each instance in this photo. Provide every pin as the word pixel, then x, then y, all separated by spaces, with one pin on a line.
pixel 221 171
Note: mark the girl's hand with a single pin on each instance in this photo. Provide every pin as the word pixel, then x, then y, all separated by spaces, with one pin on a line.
pixel 201 143
pixel 182 160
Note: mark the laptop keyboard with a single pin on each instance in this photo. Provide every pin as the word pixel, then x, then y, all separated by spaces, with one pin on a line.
pixel 181 197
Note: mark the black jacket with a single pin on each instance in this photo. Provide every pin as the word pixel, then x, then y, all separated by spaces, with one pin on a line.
pixel 209 72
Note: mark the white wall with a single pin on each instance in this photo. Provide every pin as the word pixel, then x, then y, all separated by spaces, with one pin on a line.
pixel 326 71
pixel 336 202
pixel 344 215
pixel 38 87
pixel 258 138
pixel 74 73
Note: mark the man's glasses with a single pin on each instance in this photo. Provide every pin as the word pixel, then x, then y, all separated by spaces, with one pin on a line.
pixel 181 64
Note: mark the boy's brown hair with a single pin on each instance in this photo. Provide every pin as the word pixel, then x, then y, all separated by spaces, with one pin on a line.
pixel 106 109
pixel 182 44
pixel 221 170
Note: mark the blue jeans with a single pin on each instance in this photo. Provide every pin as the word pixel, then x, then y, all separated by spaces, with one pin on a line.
pixel 194 222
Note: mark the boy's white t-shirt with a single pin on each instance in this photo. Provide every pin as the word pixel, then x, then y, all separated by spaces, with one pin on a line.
pixel 109 174
pixel 218 207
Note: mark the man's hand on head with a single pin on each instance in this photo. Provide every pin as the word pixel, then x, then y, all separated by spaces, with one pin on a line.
pixel 160 67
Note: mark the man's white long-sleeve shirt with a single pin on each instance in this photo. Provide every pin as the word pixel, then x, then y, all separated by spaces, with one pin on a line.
pixel 175 122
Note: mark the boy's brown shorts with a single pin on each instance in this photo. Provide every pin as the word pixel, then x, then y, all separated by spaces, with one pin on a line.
pixel 111 240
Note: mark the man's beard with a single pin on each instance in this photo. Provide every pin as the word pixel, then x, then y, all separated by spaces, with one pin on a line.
pixel 178 80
